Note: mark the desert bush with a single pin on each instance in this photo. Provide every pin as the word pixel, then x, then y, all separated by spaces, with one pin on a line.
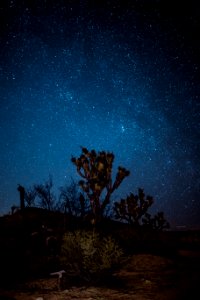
pixel 87 254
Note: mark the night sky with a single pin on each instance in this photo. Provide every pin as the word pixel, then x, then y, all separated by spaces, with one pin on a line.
pixel 120 76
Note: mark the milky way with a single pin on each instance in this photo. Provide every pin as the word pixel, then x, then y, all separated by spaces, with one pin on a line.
pixel 107 76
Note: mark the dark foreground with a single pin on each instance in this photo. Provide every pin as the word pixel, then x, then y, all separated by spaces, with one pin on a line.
pixel 156 266
pixel 143 277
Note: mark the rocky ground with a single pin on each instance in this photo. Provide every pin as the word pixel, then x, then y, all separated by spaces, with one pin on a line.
pixel 143 277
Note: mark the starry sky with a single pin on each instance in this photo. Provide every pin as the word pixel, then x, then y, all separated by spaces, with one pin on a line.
pixel 119 76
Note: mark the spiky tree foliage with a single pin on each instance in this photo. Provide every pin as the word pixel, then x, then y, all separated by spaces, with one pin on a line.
pixel 95 168
pixel 133 207
pixel 158 222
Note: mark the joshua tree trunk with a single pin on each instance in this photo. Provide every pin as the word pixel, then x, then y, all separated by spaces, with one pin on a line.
pixel 21 190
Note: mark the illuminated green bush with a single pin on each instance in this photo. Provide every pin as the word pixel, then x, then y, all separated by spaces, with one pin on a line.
pixel 86 253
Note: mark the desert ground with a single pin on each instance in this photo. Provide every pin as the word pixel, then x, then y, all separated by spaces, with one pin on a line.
pixel 143 277
pixel 155 266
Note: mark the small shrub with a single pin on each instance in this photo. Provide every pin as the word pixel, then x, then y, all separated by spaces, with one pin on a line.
pixel 85 253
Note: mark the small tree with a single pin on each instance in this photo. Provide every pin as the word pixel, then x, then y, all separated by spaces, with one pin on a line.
pixel 71 200
pixel 45 194
pixel 95 168
pixel 157 222
pixel 30 196
pixel 133 207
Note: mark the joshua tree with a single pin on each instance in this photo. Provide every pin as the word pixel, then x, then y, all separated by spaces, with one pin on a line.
pixel 133 207
pixel 96 172
pixel 21 190
pixel 157 222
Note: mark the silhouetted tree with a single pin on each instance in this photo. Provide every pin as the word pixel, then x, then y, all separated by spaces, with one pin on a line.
pixel 21 190
pixel 95 168
pixel 30 196
pixel 45 194
pixel 133 207
pixel 158 222
pixel 71 200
